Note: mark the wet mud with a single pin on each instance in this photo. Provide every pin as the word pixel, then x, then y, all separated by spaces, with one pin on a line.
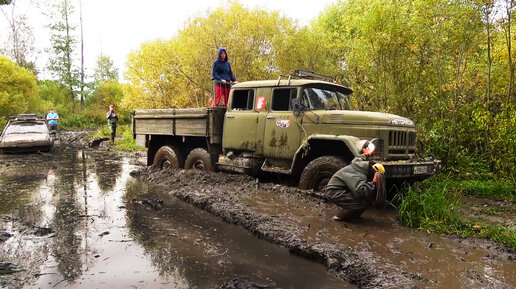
pixel 85 216
pixel 373 252
pixel 75 218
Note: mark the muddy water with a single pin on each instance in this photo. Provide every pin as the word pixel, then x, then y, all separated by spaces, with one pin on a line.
pixel 78 220
pixel 433 261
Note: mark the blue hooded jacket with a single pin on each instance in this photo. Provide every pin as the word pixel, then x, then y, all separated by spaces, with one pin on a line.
pixel 222 69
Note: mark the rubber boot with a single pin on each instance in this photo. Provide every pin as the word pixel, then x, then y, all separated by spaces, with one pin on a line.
pixel 348 215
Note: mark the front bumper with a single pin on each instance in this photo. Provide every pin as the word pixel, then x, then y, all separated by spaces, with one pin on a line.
pixel 418 169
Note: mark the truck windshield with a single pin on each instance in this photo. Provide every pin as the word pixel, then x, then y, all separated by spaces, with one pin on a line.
pixel 317 98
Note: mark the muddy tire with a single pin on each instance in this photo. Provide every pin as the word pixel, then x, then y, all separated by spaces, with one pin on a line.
pixel 319 171
pixel 200 159
pixel 168 157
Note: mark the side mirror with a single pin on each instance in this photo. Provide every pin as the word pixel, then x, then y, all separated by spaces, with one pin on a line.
pixel 296 106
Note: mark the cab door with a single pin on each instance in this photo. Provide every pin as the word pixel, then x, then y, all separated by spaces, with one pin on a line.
pixel 283 131
pixel 240 122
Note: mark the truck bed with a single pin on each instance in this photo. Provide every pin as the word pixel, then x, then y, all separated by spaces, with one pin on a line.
pixel 192 122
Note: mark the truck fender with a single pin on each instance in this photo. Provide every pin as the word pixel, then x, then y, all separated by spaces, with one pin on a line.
pixel 322 144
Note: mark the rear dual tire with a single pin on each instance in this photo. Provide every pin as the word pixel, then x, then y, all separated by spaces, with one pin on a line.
pixel 200 159
pixel 168 157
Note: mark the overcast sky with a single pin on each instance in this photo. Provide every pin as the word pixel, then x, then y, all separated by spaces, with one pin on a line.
pixel 117 27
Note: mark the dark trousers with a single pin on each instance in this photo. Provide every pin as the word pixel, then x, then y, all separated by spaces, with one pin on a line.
pixel 112 129
pixel 353 207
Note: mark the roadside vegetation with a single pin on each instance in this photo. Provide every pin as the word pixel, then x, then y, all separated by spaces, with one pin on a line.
pixel 435 206
pixel 448 65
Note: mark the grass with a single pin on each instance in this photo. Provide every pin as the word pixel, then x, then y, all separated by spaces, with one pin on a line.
pixel 125 143
pixel 494 189
pixel 433 206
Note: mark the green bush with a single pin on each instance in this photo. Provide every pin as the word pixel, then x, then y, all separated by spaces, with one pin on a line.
pixel 431 207
pixel 497 189
pixel 126 142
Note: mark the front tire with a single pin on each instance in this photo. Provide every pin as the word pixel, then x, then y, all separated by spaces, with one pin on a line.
pixel 200 159
pixel 318 172
pixel 168 157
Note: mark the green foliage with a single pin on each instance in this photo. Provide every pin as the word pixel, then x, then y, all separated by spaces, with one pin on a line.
pixel 428 60
pixel 106 93
pixel 86 119
pixel 176 73
pixel 430 207
pixel 495 189
pixel 433 206
pixel 18 90
pixel 497 233
pixel 125 143
pixel 63 49
pixel 105 70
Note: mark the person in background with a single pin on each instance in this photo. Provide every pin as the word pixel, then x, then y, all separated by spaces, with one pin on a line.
pixel 222 77
pixel 357 186
pixel 112 119
pixel 52 118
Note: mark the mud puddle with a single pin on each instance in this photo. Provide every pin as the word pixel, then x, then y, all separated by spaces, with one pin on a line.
pixel 374 252
pixel 432 261
pixel 76 219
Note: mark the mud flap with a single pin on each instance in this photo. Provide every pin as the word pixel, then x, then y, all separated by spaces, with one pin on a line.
pixel 381 191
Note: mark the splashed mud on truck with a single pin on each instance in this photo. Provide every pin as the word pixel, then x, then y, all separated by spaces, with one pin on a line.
pixel 304 128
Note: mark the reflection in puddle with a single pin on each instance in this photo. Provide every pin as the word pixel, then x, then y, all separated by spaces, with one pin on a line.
pixel 101 239
pixel 207 251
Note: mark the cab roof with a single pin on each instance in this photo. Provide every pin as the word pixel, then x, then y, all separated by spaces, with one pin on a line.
pixel 293 82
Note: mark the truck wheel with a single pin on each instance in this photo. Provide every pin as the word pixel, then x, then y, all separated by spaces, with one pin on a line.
pixel 200 159
pixel 168 157
pixel 319 171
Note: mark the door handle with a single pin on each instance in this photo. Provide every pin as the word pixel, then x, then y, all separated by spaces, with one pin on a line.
pixel 230 116
pixel 270 117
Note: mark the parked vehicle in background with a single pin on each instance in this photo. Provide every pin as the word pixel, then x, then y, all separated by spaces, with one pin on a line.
pixel 26 133
pixel 300 127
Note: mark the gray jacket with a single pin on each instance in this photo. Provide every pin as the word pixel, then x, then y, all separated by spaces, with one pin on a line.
pixel 354 178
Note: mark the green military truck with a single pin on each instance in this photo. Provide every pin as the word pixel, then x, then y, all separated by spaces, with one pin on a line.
pixel 300 126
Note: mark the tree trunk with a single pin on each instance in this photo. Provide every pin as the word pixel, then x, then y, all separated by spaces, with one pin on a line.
pixel 82 58
pixel 508 7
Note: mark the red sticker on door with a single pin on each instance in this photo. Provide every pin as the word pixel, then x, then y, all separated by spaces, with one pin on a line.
pixel 260 103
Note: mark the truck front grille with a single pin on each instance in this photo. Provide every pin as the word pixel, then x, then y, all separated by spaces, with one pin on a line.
pixel 401 142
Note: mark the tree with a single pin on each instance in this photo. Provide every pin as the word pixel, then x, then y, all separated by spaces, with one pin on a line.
pixel 509 9
pixel 176 73
pixel 20 44
pixel 105 70
pixel 18 90
pixel 54 94
pixel 63 43
pixel 106 93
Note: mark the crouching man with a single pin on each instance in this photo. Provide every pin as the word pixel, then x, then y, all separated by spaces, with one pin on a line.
pixel 357 186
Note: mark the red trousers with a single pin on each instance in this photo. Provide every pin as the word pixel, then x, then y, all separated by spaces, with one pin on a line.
pixel 221 92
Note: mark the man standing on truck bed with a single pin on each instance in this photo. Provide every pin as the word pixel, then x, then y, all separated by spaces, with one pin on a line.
pixel 222 77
